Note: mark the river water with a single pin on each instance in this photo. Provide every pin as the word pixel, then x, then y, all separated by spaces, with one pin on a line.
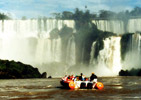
pixel 115 88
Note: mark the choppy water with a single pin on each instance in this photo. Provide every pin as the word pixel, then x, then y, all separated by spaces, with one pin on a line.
pixel 116 88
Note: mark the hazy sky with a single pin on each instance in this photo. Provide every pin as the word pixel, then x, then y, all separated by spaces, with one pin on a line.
pixel 36 8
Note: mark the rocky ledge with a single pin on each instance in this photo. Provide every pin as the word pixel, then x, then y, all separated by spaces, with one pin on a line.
pixel 132 72
pixel 18 70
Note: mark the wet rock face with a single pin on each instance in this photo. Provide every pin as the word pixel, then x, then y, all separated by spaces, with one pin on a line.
pixel 17 70
pixel 44 75
pixel 132 72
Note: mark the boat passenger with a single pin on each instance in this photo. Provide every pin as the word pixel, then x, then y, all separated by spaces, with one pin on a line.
pixel 68 77
pixel 93 77
pixel 76 78
pixel 81 77
pixel 72 77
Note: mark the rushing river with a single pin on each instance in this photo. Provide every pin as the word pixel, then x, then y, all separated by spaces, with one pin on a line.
pixel 116 88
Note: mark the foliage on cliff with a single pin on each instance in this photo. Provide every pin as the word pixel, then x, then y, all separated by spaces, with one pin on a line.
pixel 102 14
pixel 86 34
pixel 3 16
pixel 132 72
pixel 17 70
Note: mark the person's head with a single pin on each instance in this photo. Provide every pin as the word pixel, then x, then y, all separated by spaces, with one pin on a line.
pixel 81 74
pixel 93 73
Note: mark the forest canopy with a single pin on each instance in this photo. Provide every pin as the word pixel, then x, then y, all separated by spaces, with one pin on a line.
pixel 3 16
pixel 102 14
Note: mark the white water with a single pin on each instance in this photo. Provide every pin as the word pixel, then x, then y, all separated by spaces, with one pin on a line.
pixel 48 50
pixel 118 26
pixel 71 56
pixel 133 56
pixel 115 26
pixel 109 57
pixel 28 41
pixel 134 25
pixel 92 53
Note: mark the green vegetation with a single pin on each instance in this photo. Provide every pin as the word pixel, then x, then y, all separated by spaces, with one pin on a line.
pixel 132 72
pixel 135 12
pixel 24 18
pixel 86 33
pixel 3 16
pixel 103 14
pixel 67 15
pixel 14 70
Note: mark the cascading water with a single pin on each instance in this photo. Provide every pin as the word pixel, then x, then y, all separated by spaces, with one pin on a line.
pixel 115 26
pixel 48 50
pixel 70 59
pixel 92 53
pixel 133 56
pixel 29 41
pixel 109 57
pixel 134 25
pixel 119 26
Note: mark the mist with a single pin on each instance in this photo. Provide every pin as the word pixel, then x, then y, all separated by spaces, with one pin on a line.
pixel 74 43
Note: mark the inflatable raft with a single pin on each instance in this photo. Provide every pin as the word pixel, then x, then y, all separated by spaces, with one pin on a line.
pixel 81 84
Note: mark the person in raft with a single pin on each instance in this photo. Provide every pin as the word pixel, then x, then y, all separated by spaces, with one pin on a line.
pixel 93 77
pixel 81 77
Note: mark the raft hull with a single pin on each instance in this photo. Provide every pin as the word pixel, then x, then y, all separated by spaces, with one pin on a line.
pixel 82 84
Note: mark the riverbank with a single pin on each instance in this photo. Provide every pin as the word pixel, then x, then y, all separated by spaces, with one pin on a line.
pixel 18 70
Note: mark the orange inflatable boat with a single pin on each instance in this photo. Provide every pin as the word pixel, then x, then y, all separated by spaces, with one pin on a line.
pixel 68 83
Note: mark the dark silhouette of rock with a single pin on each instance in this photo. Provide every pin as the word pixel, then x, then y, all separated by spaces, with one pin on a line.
pixel 44 75
pixel 139 73
pixel 50 77
pixel 132 72
pixel 124 73
pixel 18 70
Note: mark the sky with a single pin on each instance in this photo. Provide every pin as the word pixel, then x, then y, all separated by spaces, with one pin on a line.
pixel 40 8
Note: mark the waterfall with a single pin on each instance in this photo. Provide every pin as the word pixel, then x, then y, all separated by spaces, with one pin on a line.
pixel 29 41
pixel 71 57
pixel 134 25
pixel 48 50
pixel 92 53
pixel 109 56
pixel 133 56
pixel 119 26
pixel 115 26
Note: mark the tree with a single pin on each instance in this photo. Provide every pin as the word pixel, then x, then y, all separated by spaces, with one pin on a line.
pixel 136 11
pixel 107 14
pixel 3 16
pixel 57 15
pixel 67 15
pixel 24 18
pixel 82 19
